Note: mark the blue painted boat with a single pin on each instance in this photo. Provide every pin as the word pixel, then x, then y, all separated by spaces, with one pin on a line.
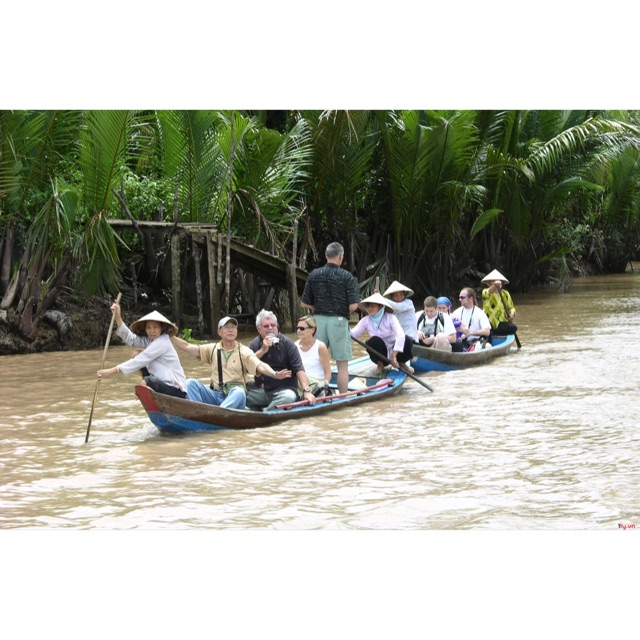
pixel 175 415
pixel 427 359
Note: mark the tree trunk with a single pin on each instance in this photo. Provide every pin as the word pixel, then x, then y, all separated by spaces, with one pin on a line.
pixel 197 256
pixel 17 280
pixel 292 283
pixel 214 291
pixel 229 203
pixel 54 286
pixel 176 287
pixel 247 295
pixel 7 255
pixel 268 301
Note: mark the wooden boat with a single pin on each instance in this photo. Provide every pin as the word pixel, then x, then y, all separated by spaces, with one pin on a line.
pixel 428 359
pixel 175 415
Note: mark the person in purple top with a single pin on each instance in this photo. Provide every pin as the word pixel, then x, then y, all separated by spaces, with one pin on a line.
pixel 386 334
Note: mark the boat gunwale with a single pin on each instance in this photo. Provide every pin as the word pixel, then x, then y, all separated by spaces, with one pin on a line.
pixel 463 359
pixel 213 417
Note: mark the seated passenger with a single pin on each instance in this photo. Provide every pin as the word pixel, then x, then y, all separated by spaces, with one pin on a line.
pixel 474 324
pixel 230 363
pixel 314 354
pixel 445 306
pixel 386 335
pixel 280 352
pixel 435 329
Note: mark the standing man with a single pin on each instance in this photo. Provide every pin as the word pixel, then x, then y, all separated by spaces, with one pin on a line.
pixel 332 294
pixel 230 362
pixel 279 352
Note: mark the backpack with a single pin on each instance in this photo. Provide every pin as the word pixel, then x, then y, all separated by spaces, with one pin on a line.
pixel 439 319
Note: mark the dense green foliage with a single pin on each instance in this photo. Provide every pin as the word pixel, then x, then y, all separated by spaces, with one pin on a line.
pixel 433 198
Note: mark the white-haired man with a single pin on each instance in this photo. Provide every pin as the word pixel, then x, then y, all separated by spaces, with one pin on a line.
pixel 281 353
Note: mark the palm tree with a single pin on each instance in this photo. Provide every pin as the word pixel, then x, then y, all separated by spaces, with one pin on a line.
pixel 32 148
pixel 534 164
pixel 340 190
pixel 70 229
pixel 428 161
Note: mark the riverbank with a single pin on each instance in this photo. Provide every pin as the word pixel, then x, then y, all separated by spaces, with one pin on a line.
pixel 77 324
pixel 74 325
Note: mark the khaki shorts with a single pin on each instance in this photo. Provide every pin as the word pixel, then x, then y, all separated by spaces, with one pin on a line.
pixel 334 332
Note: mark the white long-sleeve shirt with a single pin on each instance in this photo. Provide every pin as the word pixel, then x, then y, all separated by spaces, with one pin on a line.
pixel 405 312
pixel 159 357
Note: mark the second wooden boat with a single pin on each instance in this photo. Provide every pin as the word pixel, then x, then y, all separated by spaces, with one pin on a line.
pixel 428 359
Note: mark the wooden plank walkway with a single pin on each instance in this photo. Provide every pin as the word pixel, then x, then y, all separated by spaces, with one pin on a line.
pixel 244 256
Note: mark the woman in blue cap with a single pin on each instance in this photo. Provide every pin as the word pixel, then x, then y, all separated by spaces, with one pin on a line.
pixel 445 306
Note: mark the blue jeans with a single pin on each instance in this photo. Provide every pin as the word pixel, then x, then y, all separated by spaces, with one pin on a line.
pixel 235 399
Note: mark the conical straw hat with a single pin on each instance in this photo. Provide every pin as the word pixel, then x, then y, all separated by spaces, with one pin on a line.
pixel 138 325
pixel 396 286
pixel 494 275
pixel 376 298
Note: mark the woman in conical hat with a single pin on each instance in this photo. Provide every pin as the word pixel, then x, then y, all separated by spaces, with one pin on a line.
pixel 386 334
pixel 138 327
pixel 398 295
pixel 496 301
pixel 151 333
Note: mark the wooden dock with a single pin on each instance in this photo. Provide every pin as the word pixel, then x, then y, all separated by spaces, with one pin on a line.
pixel 205 240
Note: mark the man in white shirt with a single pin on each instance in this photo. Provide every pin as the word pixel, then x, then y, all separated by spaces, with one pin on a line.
pixel 474 323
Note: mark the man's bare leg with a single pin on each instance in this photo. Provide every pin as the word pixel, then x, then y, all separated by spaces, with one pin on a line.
pixel 343 375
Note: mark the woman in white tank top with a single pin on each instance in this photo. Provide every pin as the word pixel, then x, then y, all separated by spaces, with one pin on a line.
pixel 314 353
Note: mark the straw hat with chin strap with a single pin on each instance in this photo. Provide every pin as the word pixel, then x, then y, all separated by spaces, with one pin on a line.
pixel 494 275
pixel 139 325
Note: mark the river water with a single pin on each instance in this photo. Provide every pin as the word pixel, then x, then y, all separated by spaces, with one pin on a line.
pixel 545 439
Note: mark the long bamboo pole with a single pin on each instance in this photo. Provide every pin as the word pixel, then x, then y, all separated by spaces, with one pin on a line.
pixel 104 357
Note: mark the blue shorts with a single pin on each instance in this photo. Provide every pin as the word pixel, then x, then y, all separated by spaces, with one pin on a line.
pixel 334 332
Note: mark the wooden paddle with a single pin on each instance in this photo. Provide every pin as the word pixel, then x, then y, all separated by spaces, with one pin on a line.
pixel 506 310
pixel 387 361
pixel 515 335
pixel 104 357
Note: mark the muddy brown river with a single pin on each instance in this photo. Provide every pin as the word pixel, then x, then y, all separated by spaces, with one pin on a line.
pixel 545 439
